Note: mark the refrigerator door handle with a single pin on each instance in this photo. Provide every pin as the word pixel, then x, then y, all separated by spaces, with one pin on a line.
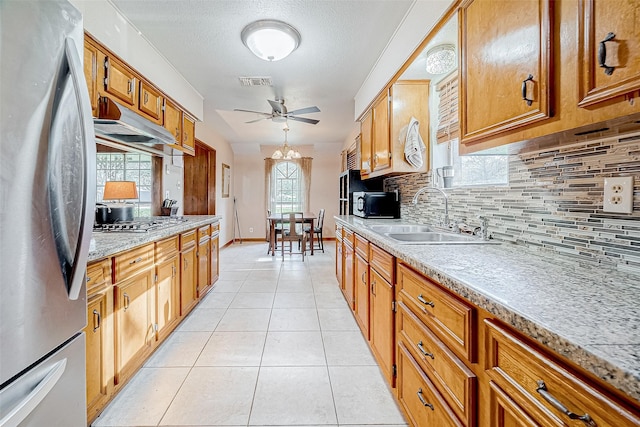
pixel 23 408
pixel 74 260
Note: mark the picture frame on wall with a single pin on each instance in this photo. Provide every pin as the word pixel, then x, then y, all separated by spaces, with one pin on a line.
pixel 226 180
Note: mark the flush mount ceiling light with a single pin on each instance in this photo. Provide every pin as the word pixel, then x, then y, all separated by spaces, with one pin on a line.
pixel 441 59
pixel 270 40
pixel 285 152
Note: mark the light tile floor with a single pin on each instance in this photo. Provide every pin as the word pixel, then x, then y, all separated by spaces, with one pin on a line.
pixel 274 343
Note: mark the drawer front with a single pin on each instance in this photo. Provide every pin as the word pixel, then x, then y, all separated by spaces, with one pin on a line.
pixel 203 232
pixel 339 232
pixel 451 319
pixel 421 401
pixel 534 380
pixel 98 274
pixel 215 228
pixel 132 262
pixel 187 240
pixel 166 248
pixel 382 262
pixel 452 378
pixel 347 236
pixel 362 247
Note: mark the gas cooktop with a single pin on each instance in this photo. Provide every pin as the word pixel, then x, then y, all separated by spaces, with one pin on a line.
pixel 140 225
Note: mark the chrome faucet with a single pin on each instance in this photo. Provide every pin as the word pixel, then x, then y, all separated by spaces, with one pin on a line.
pixel 446 201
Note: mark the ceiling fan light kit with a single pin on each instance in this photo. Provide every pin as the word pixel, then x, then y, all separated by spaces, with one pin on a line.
pixel 441 59
pixel 270 39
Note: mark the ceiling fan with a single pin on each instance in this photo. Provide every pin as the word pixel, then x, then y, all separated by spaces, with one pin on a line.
pixel 280 113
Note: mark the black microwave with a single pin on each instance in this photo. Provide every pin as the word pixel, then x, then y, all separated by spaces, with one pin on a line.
pixel 376 204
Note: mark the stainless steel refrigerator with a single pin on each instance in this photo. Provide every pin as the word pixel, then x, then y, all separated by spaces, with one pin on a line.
pixel 47 192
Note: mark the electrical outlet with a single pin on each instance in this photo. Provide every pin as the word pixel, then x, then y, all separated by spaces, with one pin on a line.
pixel 618 195
pixel 250 229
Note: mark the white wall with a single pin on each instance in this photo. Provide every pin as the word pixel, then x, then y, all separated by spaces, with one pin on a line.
pixel 224 154
pixel 104 22
pixel 418 22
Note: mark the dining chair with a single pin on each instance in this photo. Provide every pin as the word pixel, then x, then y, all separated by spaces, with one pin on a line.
pixel 317 230
pixel 277 230
pixel 292 231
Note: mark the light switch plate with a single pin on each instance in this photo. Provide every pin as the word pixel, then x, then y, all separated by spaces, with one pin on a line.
pixel 618 195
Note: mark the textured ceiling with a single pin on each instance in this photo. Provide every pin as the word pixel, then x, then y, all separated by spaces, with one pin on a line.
pixel 341 41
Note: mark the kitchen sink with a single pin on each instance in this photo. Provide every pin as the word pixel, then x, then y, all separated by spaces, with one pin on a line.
pixel 416 234
pixel 400 228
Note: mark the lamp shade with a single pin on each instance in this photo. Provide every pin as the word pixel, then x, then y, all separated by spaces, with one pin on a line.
pixel 120 190
pixel 270 40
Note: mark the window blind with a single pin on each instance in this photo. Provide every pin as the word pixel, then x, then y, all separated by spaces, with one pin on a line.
pixel 448 126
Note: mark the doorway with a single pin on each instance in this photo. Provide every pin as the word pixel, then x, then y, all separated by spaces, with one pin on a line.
pixel 200 181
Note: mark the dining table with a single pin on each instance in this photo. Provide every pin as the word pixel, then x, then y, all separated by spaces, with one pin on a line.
pixel 307 218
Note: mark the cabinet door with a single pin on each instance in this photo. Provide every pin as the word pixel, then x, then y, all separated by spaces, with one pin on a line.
pixel 362 294
pixel 348 276
pixel 382 324
pixel 381 143
pixel 203 267
pixel 167 296
pixel 120 82
pixel 91 74
pixel 173 120
pixel 134 323
pixel 366 131
pixel 188 277
pixel 619 54
pixel 502 64
pixel 150 102
pixel 99 382
pixel 339 269
pixel 214 256
pixel 188 133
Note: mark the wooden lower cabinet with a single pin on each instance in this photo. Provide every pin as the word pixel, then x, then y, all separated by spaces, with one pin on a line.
pixel 214 258
pixel 204 267
pixel 188 280
pixel 99 356
pixel 381 332
pixel 167 292
pixel 347 285
pixel 452 363
pixel 362 294
pixel 135 323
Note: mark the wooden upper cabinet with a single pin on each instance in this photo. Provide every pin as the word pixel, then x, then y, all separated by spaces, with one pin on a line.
pixel 381 148
pixel 366 130
pixel 608 49
pixel 150 102
pixel 173 120
pixel 188 133
pixel 120 81
pixel 506 66
pixel 91 74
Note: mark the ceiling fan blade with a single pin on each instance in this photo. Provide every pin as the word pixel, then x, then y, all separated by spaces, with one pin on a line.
pixel 262 118
pixel 251 111
pixel 304 120
pixel 307 110
pixel 277 107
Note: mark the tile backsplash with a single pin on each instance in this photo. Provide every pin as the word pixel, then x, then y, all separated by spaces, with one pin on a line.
pixel 553 202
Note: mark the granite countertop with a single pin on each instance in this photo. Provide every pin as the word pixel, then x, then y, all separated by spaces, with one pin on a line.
pixel 104 244
pixel 582 311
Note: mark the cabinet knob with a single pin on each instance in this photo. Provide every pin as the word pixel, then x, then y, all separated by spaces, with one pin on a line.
pixel 602 54
pixel 524 90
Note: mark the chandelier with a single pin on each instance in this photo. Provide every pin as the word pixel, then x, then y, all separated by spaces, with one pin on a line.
pixel 285 152
pixel 441 59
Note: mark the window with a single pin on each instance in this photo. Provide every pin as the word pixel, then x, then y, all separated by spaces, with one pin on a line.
pixel 127 167
pixel 486 168
pixel 286 195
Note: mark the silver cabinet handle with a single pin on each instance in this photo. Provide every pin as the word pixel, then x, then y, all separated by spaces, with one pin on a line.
pixel 96 315
pixel 553 401
pixel 424 402
pixel 146 97
pixel 126 301
pixel 423 351
pixel 425 302
pixel 364 282
pixel 139 259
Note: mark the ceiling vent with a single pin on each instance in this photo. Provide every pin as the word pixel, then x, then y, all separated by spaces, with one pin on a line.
pixel 255 81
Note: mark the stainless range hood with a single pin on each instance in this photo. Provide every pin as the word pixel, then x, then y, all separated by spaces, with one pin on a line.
pixel 115 122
